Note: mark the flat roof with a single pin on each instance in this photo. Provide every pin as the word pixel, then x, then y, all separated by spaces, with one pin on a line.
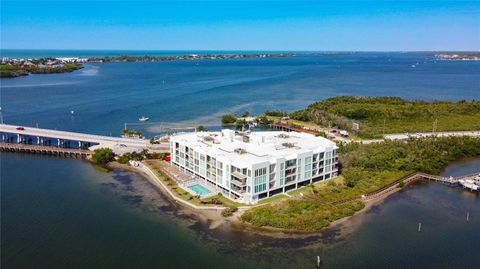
pixel 244 149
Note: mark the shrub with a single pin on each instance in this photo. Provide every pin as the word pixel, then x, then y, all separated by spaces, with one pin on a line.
pixel 228 119
pixel 102 156
pixel 227 212
pixel 276 113
pixel 263 120
pixel 245 114
pixel 201 128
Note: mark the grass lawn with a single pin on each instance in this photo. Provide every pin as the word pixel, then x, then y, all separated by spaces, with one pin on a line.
pixel 316 185
pixel 225 201
pixel 173 185
pixel 271 199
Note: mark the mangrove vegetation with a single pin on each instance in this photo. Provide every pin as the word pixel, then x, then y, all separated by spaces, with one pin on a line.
pixel 365 168
pixel 376 116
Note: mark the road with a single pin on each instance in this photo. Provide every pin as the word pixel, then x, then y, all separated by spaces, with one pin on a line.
pixel 118 144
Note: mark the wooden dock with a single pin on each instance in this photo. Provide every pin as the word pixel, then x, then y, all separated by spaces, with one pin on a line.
pixel 450 181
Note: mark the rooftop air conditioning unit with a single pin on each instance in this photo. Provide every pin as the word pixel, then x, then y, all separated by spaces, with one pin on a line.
pixel 239 151
pixel 288 145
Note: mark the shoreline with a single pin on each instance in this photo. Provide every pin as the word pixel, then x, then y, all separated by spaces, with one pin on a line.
pixel 341 224
pixel 209 214
pixel 214 218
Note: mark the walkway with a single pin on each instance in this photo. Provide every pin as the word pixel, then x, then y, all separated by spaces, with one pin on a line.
pixel 158 182
pixel 394 186
pixel 436 134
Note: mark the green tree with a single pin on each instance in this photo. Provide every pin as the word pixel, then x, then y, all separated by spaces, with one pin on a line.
pixel 102 156
pixel 276 113
pixel 201 128
pixel 229 119
pixel 245 114
pixel 263 120
pixel 240 123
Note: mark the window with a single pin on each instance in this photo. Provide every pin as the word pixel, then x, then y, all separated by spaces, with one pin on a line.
pixel 291 163
pixel 272 168
pixel 260 181
pixel 260 172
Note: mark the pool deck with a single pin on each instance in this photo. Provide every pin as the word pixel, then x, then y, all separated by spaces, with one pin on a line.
pixel 185 181
pixel 157 182
pixel 186 186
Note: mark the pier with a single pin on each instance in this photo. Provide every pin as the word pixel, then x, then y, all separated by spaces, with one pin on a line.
pixel 55 151
pixel 450 181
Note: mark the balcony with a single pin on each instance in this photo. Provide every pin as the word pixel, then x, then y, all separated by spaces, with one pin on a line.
pixel 238 182
pixel 291 166
pixel 237 189
pixel 239 175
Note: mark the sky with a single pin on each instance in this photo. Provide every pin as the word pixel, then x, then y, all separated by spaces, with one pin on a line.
pixel 360 25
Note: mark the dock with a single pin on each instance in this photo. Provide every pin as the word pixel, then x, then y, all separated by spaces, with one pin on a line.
pixel 46 150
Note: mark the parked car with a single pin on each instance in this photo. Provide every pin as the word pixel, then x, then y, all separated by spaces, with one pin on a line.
pixel 20 129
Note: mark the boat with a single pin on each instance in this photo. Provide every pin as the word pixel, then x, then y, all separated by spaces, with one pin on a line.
pixel 413 65
pixel 72 112
pixel 476 180
pixel 143 119
pixel 469 184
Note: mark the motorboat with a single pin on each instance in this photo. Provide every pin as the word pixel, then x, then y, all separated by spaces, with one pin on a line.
pixel 143 119
pixel 469 184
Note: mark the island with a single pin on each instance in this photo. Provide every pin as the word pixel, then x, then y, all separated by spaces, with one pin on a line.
pixel 11 68
pixel 459 56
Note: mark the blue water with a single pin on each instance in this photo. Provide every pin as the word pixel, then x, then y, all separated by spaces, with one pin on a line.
pixel 65 213
pixel 39 53
pixel 199 189
pixel 105 96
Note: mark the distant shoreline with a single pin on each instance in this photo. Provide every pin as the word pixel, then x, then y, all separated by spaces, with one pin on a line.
pixel 16 67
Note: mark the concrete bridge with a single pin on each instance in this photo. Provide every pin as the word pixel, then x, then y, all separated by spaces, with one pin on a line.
pixel 55 151
pixel 62 139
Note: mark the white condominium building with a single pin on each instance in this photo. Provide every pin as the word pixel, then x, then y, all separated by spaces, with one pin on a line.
pixel 256 165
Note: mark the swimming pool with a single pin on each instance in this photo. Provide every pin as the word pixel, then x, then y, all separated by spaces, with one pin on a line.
pixel 199 189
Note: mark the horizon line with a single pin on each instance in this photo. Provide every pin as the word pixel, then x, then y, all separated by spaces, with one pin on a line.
pixel 249 50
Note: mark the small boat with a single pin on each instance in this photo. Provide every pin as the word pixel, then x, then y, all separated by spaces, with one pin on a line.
pixel 413 65
pixel 72 112
pixel 476 180
pixel 469 184
pixel 143 119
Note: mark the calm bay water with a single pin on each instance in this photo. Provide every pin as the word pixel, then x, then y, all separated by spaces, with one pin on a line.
pixel 186 93
pixel 61 213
